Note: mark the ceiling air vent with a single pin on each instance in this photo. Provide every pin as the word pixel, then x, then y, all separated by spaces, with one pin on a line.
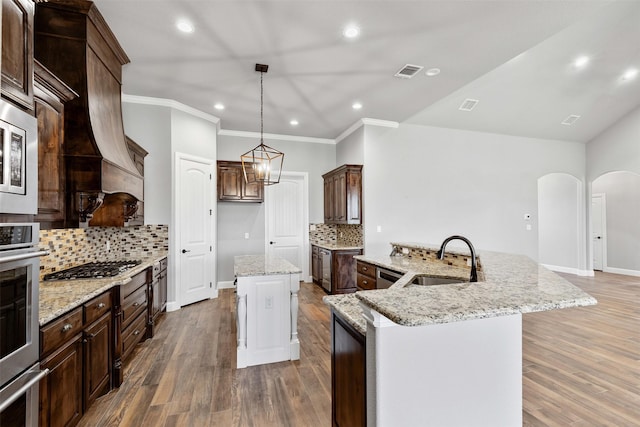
pixel 468 104
pixel 408 71
pixel 570 120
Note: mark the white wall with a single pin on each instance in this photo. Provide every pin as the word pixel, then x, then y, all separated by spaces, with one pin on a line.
pixel 622 191
pixel 350 151
pixel 425 183
pixel 150 127
pixel 236 219
pixel 560 222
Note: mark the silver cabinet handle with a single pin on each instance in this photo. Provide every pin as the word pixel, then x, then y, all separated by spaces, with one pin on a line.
pixel 136 332
pixel 135 304
pixel 101 305
pixel 67 327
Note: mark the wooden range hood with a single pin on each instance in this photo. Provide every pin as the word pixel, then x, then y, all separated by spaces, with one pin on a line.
pixel 73 40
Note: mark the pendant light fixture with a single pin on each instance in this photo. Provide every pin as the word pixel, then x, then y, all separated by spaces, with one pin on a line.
pixel 263 163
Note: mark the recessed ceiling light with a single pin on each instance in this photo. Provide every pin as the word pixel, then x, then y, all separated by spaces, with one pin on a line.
pixel 218 106
pixel 185 26
pixel 293 122
pixel 351 31
pixel 581 61
pixel 433 72
pixel 356 106
pixel 630 74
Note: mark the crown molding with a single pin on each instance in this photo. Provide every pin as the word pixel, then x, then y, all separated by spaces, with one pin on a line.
pixel 366 121
pixel 274 136
pixel 170 103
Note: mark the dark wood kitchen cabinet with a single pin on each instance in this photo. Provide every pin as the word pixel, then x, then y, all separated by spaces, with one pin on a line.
pixel 343 271
pixel 348 375
pixel 50 95
pixel 77 349
pixel 232 186
pixel 366 275
pixel 157 295
pixel 343 195
pixel 316 269
pixel 137 154
pixel 61 353
pixel 17 52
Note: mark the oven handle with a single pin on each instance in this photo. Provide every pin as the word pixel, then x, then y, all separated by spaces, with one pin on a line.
pixel 38 376
pixel 23 256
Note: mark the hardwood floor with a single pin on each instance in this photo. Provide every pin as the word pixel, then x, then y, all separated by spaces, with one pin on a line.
pixel 581 368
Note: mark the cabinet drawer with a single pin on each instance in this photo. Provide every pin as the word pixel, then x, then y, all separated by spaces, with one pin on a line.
pixel 366 269
pixel 366 282
pixel 136 281
pixel 134 304
pixel 57 332
pixel 133 335
pixel 163 264
pixel 97 307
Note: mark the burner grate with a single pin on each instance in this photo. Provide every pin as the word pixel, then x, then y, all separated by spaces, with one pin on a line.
pixel 93 270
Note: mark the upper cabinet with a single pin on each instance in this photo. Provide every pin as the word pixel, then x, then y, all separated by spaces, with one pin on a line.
pixel 343 195
pixel 17 52
pixel 232 186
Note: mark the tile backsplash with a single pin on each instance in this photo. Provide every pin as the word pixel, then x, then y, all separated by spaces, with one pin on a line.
pixel 337 234
pixel 75 246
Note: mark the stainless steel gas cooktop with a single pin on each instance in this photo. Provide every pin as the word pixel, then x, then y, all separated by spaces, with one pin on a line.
pixel 93 270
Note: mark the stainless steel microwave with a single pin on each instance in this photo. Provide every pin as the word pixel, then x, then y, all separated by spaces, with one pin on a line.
pixel 18 161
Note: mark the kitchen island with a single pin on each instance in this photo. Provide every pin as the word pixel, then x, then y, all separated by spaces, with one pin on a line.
pixel 445 355
pixel 266 310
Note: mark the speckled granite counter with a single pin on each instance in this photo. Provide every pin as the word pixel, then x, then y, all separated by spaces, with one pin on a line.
pixel 61 296
pixel 337 247
pixel 261 265
pixel 511 284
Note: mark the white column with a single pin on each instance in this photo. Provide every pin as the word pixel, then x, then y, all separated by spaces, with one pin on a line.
pixel 294 343
pixel 241 326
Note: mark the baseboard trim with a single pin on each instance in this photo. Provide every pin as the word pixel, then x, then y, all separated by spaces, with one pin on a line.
pixel 623 271
pixel 226 284
pixel 172 306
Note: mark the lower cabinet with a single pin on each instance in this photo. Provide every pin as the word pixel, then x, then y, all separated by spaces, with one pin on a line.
pixel 348 375
pixel 157 294
pixel 316 270
pixel 97 359
pixel 61 390
pixel 343 275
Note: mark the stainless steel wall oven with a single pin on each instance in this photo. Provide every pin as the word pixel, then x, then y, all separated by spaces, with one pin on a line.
pixel 19 326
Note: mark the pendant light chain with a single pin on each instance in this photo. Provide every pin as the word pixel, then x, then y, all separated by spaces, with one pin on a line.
pixel 261 109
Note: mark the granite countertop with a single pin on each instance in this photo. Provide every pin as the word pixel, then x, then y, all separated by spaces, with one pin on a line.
pixel 337 246
pixel 58 297
pixel 262 265
pixel 511 284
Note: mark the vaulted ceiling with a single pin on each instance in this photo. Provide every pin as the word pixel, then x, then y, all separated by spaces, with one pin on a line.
pixel 516 58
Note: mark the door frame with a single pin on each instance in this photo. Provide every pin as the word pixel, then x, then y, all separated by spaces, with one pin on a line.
pixel 603 214
pixel 174 230
pixel 306 274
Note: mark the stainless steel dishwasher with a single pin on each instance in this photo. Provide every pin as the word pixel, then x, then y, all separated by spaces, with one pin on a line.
pixel 385 278
pixel 325 256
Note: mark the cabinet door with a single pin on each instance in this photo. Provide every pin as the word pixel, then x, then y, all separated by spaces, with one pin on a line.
pixel 229 183
pixel 315 271
pixel 97 359
pixel 51 182
pixel 344 271
pixel 340 198
pixel 348 380
pixel 61 390
pixel 163 289
pixel 17 51
pixel 353 197
pixel 251 191
pixel 328 200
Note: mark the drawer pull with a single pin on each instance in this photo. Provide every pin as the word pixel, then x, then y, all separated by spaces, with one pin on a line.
pixel 67 327
pixel 365 282
pixel 135 304
pixel 101 305
pixel 364 268
pixel 136 332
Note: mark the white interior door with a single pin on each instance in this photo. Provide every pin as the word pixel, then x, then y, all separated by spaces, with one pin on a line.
pixel 598 230
pixel 287 220
pixel 194 200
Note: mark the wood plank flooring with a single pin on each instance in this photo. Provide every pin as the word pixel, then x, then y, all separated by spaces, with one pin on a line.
pixel 581 368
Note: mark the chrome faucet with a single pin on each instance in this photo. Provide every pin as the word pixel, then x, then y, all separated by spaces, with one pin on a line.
pixel 474 272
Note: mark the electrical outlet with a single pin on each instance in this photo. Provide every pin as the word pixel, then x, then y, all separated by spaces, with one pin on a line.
pixel 268 302
pixel 528 227
pixel 405 251
pixel 379 229
pixel 108 245
pixel 312 227
pixel 246 235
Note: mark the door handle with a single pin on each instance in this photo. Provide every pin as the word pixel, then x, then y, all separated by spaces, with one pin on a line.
pixel 598 237
pixel 184 251
pixel 272 242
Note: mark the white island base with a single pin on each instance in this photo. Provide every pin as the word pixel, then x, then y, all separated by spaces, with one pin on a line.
pixel 466 373
pixel 267 316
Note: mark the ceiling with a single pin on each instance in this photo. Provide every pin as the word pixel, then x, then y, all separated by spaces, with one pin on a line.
pixel 514 56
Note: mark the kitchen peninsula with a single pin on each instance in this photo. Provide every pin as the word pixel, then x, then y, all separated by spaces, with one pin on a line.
pixel 448 354
pixel 266 309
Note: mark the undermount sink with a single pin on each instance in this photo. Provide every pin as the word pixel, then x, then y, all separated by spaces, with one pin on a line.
pixel 430 281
